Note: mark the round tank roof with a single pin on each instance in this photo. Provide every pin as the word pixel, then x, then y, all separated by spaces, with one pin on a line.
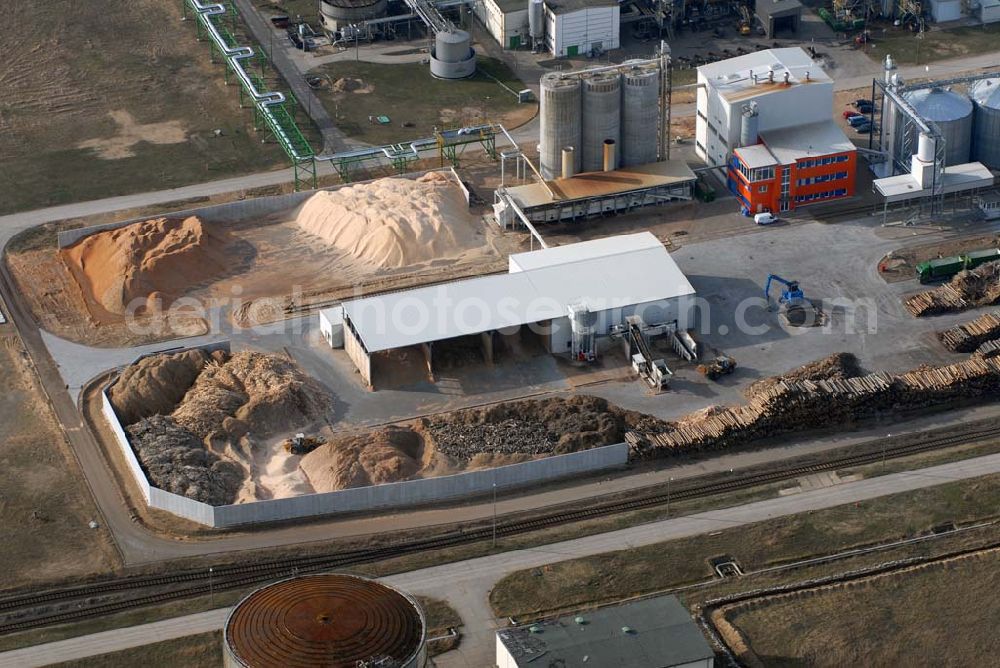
pixel 938 104
pixel 986 93
pixel 329 620
pixel 351 4
pixel 454 37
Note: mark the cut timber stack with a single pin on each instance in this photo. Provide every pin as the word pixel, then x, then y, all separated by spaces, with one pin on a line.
pixel 799 405
pixel 978 287
pixel 988 349
pixel 968 336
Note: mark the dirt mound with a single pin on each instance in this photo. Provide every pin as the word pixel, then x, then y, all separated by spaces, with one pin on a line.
pixel 837 366
pixel 392 222
pixel 383 455
pixel 350 85
pixel 253 393
pixel 540 426
pixel 164 255
pixel 177 461
pixel 155 384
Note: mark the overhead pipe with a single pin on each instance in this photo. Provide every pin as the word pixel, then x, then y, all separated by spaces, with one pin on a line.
pixel 236 54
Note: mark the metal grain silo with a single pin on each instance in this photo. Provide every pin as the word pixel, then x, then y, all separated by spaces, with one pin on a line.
pixel 453 56
pixel 985 96
pixel 325 620
pixel 536 21
pixel 602 117
pixel 640 112
pixel 559 122
pixel 952 113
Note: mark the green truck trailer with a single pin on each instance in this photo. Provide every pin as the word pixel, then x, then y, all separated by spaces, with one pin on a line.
pixel 941 268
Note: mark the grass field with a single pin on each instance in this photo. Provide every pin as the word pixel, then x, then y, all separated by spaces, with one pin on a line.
pixel 939 615
pixel 44 501
pixel 112 98
pixel 416 102
pixel 909 49
pixel 618 575
pixel 200 651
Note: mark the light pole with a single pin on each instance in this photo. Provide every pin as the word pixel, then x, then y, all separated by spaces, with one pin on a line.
pixel 885 441
pixel 669 480
pixel 211 588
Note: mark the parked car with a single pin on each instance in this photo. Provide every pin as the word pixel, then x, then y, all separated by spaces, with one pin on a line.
pixel 866 109
pixel 855 121
pixel 766 218
pixel 850 113
pixel 863 102
pixel 865 129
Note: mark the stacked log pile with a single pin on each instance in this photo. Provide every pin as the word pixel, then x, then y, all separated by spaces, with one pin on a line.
pixel 832 367
pixel 988 349
pixel 808 404
pixel 968 336
pixel 978 287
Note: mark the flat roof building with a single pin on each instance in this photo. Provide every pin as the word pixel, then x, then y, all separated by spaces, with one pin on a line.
pixel 651 633
pixel 569 295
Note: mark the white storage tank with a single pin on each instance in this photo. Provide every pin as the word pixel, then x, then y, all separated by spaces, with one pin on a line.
pixel 536 21
pixel 952 113
pixel 602 108
pixel 559 122
pixel 453 56
pixel 640 114
pixel 985 96
pixel 749 124
pixel 336 14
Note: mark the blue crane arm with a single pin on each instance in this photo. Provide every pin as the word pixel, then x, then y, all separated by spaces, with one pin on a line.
pixel 791 293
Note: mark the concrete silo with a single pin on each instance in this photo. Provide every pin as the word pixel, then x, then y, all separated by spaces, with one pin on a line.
pixel 985 96
pixel 952 113
pixel 640 114
pixel 601 118
pixel 325 620
pixel 559 122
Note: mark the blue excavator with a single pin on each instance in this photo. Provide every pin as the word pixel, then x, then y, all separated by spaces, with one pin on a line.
pixel 791 293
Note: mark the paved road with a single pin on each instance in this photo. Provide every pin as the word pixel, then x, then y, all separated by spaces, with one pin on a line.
pixel 467 584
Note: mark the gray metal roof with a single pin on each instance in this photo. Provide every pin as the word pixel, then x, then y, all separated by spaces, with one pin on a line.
pixel 986 93
pixel 778 8
pixel 660 634
pixel 938 104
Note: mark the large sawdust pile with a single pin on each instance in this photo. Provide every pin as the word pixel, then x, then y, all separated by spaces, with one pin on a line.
pixel 253 393
pixel 159 258
pixel 392 222
pixel 832 367
pixel 383 455
pixel 155 384
pixel 199 423
pixel 536 426
pixel 177 461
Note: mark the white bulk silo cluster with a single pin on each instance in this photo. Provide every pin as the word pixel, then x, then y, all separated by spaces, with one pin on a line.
pixel 598 111
pixel 985 96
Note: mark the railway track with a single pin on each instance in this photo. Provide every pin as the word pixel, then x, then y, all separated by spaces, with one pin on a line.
pixel 29 611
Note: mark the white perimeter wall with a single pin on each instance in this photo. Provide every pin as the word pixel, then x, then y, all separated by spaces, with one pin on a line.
pixel 399 495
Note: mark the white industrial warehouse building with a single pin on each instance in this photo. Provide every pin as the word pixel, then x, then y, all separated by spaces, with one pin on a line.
pixel 788 87
pixel 571 27
pixel 570 296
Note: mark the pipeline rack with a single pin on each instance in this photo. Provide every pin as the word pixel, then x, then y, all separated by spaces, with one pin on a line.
pixel 270 108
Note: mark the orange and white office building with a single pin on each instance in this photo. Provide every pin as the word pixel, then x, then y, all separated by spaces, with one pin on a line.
pixel 793 167
pixel 766 120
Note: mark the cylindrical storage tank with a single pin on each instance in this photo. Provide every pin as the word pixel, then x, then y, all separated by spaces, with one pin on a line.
pixel 568 162
pixel 925 148
pixel 329 620
pixel 559 122
pixel 986 133
pixel 640 115
pixel 602 117
pixel 609 160
pixel 952 113
pixel 453 56
pixel 749 125
pixel 337 13
pixel 536 19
